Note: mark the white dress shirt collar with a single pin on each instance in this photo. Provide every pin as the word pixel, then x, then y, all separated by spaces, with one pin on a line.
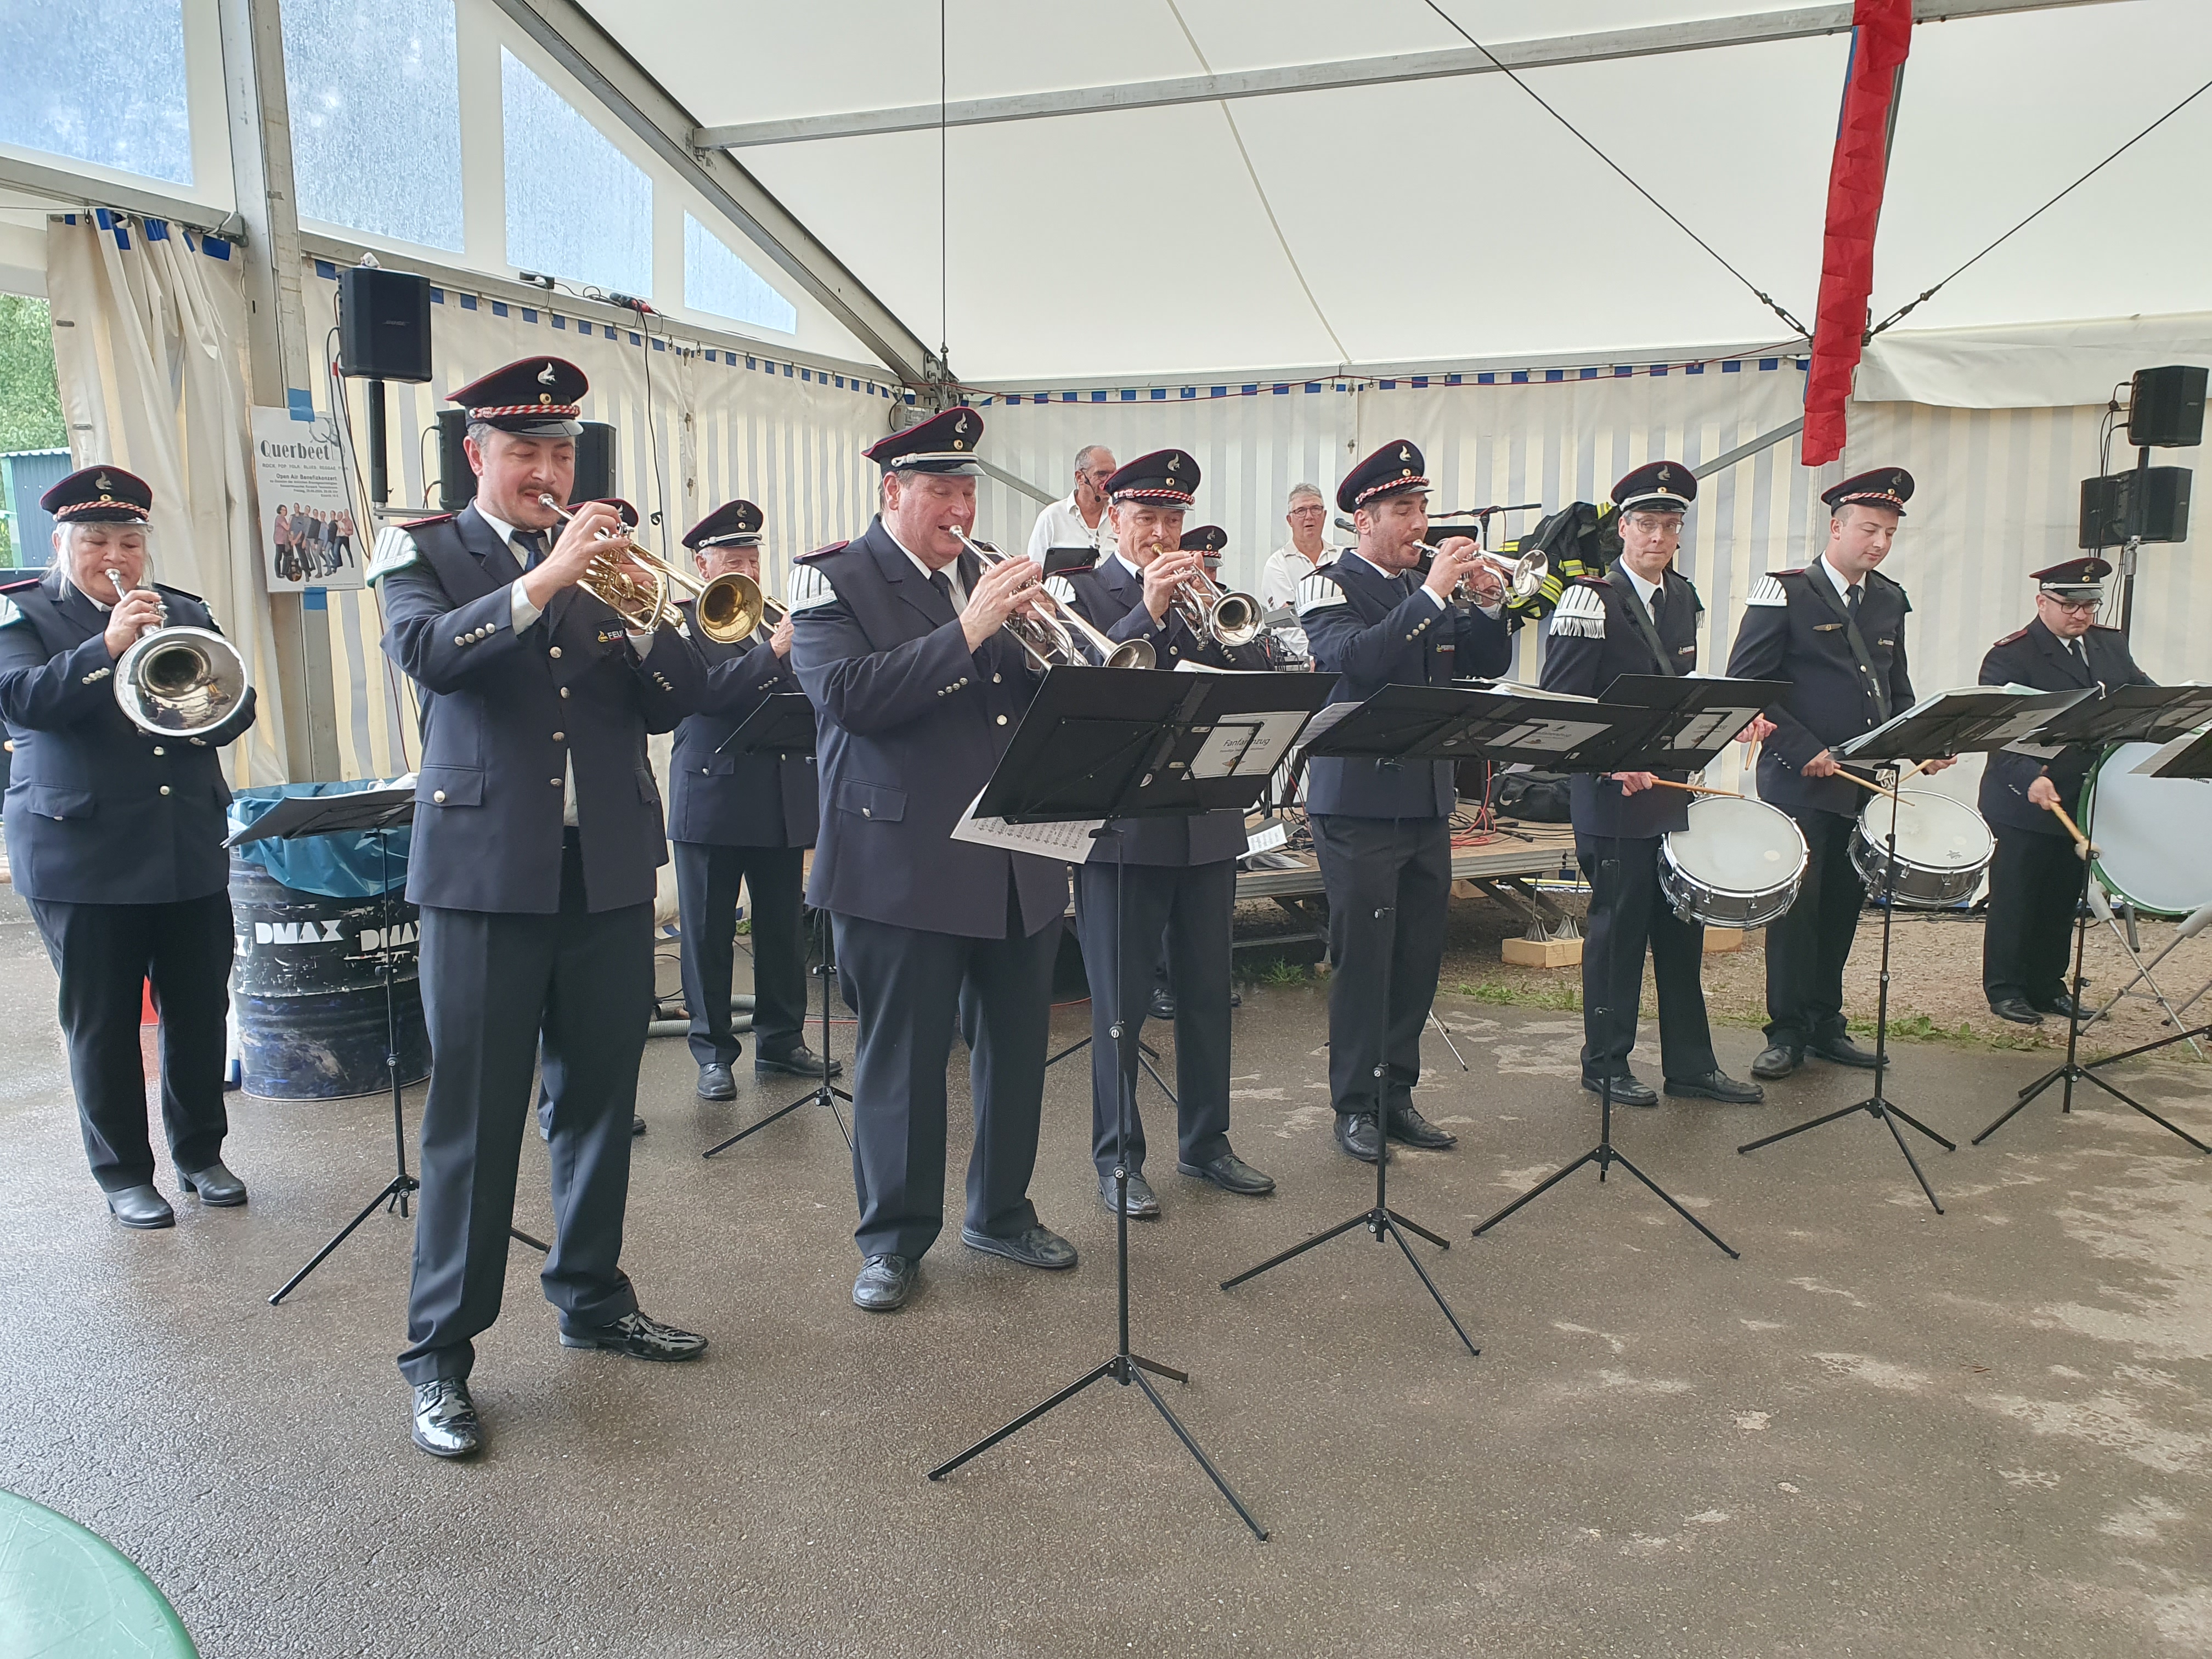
pixel 1842 583
pixel 951 571
pixel 1644 590
pixel 501 528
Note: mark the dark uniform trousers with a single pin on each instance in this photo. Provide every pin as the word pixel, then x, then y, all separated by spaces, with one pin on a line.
pixel 911 988
pixel 1193 906
pixel 1807 948
pixel 491 982
pixel 1385 968
pixel 184 948
pixel 707 878
pixel 2035 885
pixel 1626 909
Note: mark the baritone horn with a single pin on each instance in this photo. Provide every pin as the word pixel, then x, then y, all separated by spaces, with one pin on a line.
pixel 729 607
pixel 177 681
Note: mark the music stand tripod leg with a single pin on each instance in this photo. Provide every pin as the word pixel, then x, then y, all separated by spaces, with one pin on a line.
pixel 823 1093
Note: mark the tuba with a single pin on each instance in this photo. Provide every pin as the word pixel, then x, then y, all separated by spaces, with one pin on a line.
pixel 178 682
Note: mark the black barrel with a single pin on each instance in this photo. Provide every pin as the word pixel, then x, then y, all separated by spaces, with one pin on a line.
pixel 307 988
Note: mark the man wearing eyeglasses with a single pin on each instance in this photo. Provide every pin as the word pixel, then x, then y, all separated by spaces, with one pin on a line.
pixel 2035 879
pixel 1308 551
pixel 1078 519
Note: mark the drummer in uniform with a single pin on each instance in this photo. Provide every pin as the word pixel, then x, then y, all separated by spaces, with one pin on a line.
pixel 1835 631
pixel 1640 618
pixel 2036 877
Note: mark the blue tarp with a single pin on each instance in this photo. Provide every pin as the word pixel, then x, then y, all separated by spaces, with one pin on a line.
pixel 348 864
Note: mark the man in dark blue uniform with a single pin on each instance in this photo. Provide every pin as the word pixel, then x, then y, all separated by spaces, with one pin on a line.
pixel 2036 877
pixel 115 841
pixel 1639 618
pixel 1176 875
pixel 538 829
pixel 1382 829
pixel 1836 632
pixel 739 818
pixel 898 637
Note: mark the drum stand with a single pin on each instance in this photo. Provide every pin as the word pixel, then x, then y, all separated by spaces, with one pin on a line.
pixel 2071 1071
pixel 1884 1110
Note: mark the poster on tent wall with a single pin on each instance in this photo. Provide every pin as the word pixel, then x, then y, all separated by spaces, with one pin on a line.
pixel 307 531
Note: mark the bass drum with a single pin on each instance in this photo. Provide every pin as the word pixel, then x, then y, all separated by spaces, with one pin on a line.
pixel 1738 865
pixel 1942 848
pixel 2149 834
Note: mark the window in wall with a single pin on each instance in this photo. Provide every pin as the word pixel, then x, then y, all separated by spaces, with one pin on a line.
pixel 577 208
pixel 101 84
pixel 715 280
pixel 376 116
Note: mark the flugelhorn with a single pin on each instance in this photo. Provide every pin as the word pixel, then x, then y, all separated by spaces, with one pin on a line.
pixel 173 681
pixel 729 607
pixel 1051 640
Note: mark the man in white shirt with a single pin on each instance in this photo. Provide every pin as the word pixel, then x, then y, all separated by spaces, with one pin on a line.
pixel 1308 551
pixel 1078 519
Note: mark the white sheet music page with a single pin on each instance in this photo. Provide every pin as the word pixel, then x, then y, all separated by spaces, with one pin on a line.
pixel 1244 745
pixel 1070 842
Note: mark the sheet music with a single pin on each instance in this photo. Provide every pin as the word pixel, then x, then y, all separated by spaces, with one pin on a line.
pixel 1331 713
pixel 1552 737
pixel 1241 745
pixel 1070 842
pixel 2166 751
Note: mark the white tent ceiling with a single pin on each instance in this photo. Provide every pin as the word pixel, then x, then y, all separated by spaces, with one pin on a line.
pixel 1444 221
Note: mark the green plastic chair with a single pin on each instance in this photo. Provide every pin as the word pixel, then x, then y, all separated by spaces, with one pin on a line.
pixel 66 1593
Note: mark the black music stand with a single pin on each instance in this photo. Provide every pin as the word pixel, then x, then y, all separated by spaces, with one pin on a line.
pixel 2127 714
pixel 1950 723
pixel 377 811
pixel 783 725
pixel 1101 744
pixel 1698 719
pixel 1423 723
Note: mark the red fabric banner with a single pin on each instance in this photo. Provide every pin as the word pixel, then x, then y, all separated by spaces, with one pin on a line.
pixel 1882 35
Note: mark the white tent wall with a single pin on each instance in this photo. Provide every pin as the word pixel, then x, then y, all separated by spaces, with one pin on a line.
pixel 1998 492
pixel 695 426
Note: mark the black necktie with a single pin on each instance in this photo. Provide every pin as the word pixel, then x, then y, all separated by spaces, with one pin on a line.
pixel 530 544
pixel 2080 653
pixel 1851 602
pixel 1406 583
pixel 1657 594
pixel 942 584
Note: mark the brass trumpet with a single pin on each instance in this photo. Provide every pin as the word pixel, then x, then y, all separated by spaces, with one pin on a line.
pixel 1050 641
pixel 729 607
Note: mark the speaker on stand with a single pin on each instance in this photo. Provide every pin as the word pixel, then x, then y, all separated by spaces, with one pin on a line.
pixel 384 334
pixel 2166 410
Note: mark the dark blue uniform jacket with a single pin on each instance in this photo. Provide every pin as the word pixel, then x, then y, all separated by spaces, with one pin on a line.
pixel 722 797
pixel 2035 657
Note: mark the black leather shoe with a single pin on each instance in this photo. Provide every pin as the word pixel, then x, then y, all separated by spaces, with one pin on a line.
pixel 1842 1050
pixel 636 1124
pixel 1410 1127
pixel 1628 1089
pixel 1231 1174
pixel 141 1206
pixel 799 1061
pixel 1162 1004
pixel 637 1336
pixel 215 1185
pixel 716 1082
pixel 2017 1010
pixel 1355 1133
pixel 885 1283
pixel 1717 1084
pixel 446 1418
pixel 1143 1202
pixel 1778 1059
pixel 1035 1247
pixel 2063 1005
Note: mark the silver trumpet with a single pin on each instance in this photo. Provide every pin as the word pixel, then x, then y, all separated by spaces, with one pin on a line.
pixel 1217 613
pixel 1052 640
pixel 177 682
pixel 1524 575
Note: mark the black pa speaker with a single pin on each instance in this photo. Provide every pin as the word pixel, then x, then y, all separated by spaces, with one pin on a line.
pixel 383 325
pixel 456 479
pixel 2166 408
pixel 2151 504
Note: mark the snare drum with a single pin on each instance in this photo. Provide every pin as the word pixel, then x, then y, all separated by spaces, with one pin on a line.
pixel 2148 833
pixel 1942 848
pixel 1738 865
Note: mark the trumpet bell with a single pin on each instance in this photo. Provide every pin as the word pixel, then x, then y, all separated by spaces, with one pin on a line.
pixel 729 609
pixel 1132 653
pixel 1234 619
pixel 180 681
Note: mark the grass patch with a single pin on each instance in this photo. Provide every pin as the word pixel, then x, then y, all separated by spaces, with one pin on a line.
pixel 1920 1027
pixel 1566 998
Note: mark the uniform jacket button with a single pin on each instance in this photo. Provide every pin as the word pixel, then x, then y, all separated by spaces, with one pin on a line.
pixel 560 737
pixel 994 679
pixel 556 782
pixel 555 651
pixel 164 788
pixel 460 639
pixel 564 691
pixel 437 795
pixel 865 813
pixel 159 749
pixel 1002 721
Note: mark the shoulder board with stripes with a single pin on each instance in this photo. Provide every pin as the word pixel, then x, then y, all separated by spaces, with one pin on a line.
pixel 1768 589
pixel 1319 591
pixel 807 588
pixel 1061 588
pixel 820 552
pixel 395 551
pixel 1581 614
pixel 8 613
pixel 2011 639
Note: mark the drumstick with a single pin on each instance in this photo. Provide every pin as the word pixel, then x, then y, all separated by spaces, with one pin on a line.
pixel 1695 788
pixel 2080 841
pixel 1875 788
